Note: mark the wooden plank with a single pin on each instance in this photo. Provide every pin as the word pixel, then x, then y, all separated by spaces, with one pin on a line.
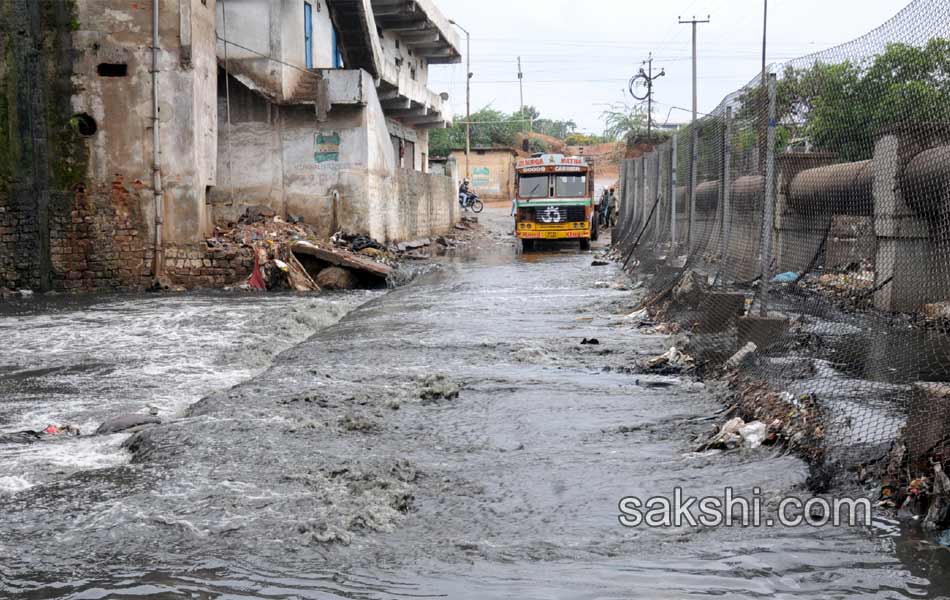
pixel 339 259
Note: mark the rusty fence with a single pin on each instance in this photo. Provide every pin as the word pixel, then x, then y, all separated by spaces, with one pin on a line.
pixel 809 215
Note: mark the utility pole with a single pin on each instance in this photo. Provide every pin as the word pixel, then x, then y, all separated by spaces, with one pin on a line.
pixel 768 210
pixel 468 97
pixel 647 79
pixel 520 87
pixel 694 135
pixel 694 22
pixel 765 29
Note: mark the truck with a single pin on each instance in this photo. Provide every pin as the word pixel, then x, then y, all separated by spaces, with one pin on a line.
pixel 554 200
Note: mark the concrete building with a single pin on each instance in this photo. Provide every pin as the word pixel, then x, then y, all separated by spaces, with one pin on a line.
pixel 325 113
pixel 316 108
pixel 493 171
pixel 85 192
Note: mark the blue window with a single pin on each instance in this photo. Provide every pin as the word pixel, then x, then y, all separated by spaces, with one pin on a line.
pixel 335 48
pixel 308 33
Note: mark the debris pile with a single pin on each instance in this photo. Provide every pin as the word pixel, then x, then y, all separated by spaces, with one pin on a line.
pixel 918 486
pixel 736 433
pixel 795 421
pixel 671 362
pixel 30 436
pixel 289 254
pixel 851 287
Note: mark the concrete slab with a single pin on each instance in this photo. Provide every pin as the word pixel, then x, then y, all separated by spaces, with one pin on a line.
pixel 928 419
pixel 762 331
pixel 339 259
pixel 720 311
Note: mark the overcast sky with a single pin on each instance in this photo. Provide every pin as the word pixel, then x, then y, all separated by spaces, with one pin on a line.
pixel 578 55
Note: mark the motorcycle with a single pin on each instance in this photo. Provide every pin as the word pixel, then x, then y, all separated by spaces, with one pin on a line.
pixel 470 200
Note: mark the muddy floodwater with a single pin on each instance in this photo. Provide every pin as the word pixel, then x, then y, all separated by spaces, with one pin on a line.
pixel 451 438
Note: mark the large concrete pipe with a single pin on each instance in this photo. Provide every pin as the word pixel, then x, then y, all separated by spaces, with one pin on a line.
pixel 707 196
pixel 844 189
pixel 747 193
pixel 926 181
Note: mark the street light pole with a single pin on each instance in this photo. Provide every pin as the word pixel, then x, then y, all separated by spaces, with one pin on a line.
pixel 468 97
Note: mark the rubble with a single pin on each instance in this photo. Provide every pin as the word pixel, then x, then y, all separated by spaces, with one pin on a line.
pixel 336 278
pixel 671 361
pixel 690 290
pixel 289 254
pixel 438 387
pixel 741 356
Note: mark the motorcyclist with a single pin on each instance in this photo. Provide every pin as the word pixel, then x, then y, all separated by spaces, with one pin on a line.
pixel 465 193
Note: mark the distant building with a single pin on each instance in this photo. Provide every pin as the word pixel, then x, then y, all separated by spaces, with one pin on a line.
pixel 492 171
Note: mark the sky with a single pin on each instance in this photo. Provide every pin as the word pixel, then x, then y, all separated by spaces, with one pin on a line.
pixel 577 56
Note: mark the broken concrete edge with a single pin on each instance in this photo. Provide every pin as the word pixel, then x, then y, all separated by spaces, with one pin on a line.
pixel 346 260
pixel 764 332
pixel 915 474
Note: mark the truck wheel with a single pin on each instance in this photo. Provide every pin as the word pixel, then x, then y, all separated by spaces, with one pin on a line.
pixel 585 244
pixel 527 245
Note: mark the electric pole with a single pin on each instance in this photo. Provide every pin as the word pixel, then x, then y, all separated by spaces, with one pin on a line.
pixel 646 79
pixel 694 22
pixel 694 141
pixel 468 97
pixel 765 28
pixel 520 87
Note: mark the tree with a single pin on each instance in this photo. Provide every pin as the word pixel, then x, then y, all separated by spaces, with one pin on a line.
pixel 843 107
pixel 624 122
pixel 496 128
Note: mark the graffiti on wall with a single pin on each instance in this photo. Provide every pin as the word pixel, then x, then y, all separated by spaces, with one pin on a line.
pixel 326 147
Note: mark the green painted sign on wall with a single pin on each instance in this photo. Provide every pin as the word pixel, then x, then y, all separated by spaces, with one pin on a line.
pixel 481 177
pixel 326 147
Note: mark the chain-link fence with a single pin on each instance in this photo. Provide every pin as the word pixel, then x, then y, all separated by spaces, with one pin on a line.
pixel 809 214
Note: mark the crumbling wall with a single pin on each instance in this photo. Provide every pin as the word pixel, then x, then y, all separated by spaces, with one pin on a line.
pixel 334 170
pixel 197 265
pixel 426 205
pixel 76 204
pixel 42 159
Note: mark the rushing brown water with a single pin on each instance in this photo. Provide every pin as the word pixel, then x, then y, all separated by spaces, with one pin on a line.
pixel 345 469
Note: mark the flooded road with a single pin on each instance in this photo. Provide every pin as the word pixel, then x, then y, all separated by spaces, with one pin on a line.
pixel 448 439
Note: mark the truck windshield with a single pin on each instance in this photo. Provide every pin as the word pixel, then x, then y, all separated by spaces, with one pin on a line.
pixel 571 186
pixel 533 186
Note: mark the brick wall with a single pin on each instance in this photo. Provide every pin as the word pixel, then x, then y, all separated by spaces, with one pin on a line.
pixel 100 241
pixel 196 265
pixel 18 268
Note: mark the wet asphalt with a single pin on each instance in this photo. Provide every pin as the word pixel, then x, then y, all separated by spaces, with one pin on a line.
pixel 451 438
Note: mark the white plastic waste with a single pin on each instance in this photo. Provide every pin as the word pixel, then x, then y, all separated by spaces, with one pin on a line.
pixel 753 434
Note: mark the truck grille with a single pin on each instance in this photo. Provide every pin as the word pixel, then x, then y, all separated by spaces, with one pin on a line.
pixel 556 214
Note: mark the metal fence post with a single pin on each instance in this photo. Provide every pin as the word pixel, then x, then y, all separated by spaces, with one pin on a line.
pixel 726 190
pixel 769 208
pixel 693 176
pixel 642 192
pixel 657 183
pixel 673 241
